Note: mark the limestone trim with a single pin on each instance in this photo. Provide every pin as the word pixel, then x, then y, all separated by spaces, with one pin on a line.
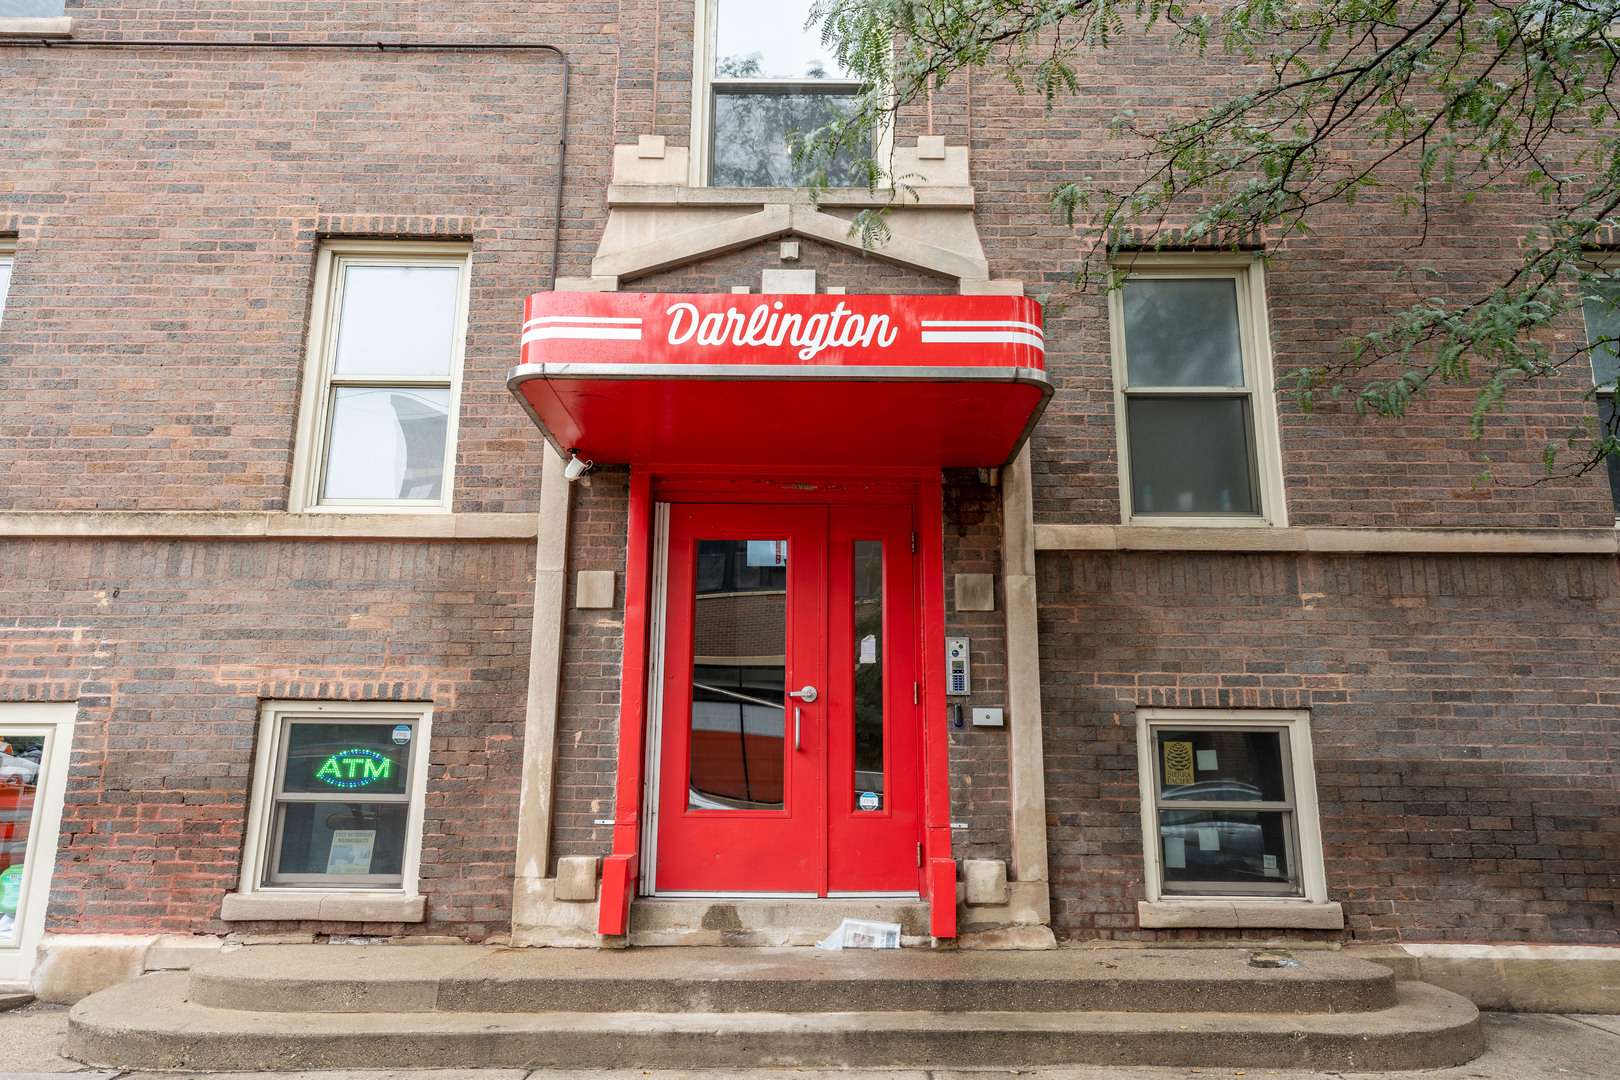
pixel 773 220
pixel 60 27
pixel 311 905
pixel 260 525
pixel 532 895
pixel 1026 765
pixel 1239 915
pixel 660 218
pixel 1438 541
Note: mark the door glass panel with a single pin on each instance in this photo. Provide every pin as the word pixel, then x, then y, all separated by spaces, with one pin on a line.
pixel 739 674
pixel 868 675
pixel 20 757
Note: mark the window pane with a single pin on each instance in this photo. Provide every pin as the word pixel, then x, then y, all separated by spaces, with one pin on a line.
pixel 769 41
pixel 1190 456
pixel 868 662
pixel 367 759
pixel 387 442
pixel 1182 332
pixel 738 747
pixel 343 840
pixel 397 320
pixel 1606 410
pixel 20 757
pixel 1224 766
pixel 1603 321
pixel 750 137
pixel 1224 847
pixel 31 9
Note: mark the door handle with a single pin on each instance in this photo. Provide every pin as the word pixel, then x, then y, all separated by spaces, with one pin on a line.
pixel 807 695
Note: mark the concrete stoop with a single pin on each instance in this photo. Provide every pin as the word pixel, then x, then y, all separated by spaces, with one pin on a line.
pixel 324 1007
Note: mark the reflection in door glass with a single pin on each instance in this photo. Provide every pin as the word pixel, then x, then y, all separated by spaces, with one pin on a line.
pixel 869 674
pixel 20 757
pixel 739 674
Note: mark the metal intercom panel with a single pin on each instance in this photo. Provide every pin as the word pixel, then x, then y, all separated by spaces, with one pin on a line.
pixel 957 676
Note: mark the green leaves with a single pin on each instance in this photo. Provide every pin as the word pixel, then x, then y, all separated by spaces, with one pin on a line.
pixel 1429 103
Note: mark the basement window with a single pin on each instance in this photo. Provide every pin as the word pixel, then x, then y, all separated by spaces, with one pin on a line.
pixel 1229 805
pixel 338 796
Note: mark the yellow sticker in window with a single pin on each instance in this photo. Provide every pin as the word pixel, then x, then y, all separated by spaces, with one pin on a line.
pixel 1178 764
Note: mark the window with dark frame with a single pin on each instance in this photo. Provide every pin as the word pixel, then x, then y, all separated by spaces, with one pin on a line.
pixel 1602 313
pixel 1225 808
pixel 1189 398
pixel 769 78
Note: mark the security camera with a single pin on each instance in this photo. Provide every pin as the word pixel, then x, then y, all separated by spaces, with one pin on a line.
pixel 577 466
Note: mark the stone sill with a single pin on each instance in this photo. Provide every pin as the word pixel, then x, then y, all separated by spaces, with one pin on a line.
pixel 1328 540
pixel 1238 915
pixel 324 906
pixel 926 198
pixel 247 524
pixel 36 28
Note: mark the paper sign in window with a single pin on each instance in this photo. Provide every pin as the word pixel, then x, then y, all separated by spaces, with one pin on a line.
pixel 1207 761
pixel 1175 852
pixel 351 851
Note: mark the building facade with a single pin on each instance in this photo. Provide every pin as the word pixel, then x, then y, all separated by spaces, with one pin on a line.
pixel 306 631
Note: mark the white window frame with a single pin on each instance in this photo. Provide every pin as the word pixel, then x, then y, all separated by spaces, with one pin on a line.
pixel 1248 273
pixel 274 718
pixel 1608 264
pixel 315 406
pixel 1307 815
pixel 706 18
pixel 8 255
pixel 55 721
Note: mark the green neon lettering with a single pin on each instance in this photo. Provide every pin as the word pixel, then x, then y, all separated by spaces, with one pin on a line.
pixel 377 770
pixel 329 768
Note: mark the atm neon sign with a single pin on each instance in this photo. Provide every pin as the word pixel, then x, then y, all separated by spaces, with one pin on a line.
pixel 354 768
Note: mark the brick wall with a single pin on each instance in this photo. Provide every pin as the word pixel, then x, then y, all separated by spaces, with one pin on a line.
pixel 1462 713
pixel 169 647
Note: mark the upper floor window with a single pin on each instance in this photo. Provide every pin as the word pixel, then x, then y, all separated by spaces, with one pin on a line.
pixel 1603 327
pixel 1192 391
pixel 763 76
pixel 377 429
pixel 31 9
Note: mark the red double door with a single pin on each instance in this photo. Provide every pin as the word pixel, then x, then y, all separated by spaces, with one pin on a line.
pixel 789 759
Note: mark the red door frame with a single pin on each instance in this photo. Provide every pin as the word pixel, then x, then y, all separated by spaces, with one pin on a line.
pixel 650 484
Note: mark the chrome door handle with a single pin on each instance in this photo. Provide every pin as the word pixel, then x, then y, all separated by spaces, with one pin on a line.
pixel 797 713
pixel 808 694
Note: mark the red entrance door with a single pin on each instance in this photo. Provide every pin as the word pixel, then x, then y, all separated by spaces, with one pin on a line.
pixel 790 755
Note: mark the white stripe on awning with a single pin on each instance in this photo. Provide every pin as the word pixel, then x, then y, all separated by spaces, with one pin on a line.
pixel 609 333
pixel 945 324
pixel 981 337
pixel 581 319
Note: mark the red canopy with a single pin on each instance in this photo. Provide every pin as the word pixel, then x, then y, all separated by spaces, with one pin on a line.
pixel 789 380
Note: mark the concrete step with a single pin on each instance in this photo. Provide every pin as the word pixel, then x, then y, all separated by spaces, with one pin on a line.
pixel 451 978
pixel 150 1024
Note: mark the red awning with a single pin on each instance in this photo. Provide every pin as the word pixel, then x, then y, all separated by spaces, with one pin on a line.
pixel 783 380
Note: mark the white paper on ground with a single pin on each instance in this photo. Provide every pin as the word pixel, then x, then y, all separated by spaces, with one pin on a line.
pixel 862 934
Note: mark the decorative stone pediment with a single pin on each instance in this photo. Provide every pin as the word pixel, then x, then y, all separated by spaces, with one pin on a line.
pixel 658 221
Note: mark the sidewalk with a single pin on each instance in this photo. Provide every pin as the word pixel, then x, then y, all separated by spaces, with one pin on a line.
pixel 1520 1046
